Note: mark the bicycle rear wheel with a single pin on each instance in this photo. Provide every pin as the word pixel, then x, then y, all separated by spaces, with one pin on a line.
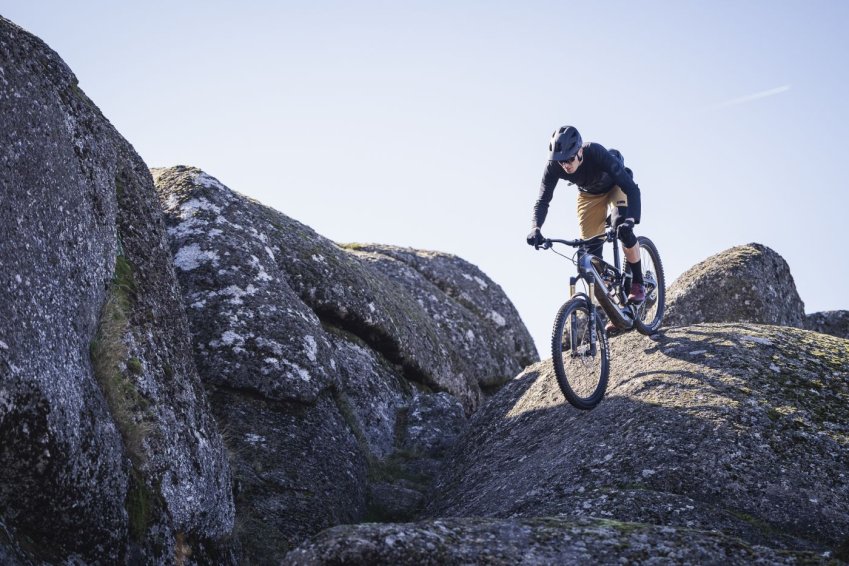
pixel 650 312
pixel 580 354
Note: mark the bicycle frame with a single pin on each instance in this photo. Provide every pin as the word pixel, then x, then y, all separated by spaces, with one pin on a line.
pixel 580 349
pixel 622 317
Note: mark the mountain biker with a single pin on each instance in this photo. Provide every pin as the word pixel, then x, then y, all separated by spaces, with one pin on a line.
pixel 603 181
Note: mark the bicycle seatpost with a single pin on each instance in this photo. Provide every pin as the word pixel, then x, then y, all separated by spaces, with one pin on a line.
pixel 613 235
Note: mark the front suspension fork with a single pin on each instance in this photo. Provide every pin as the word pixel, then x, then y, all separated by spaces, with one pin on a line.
pixel 591 322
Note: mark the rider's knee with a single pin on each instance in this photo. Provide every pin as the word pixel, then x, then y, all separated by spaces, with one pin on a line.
pixel 627 237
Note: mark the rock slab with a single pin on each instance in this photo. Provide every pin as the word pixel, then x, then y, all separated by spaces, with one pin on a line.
pixel 739 428
pixel 532 542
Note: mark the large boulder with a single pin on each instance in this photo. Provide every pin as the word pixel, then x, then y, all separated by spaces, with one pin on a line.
pixel 481 306
pixel 234 255
pixel 835 323
pixel 749 283
pixel 737 428
pixel 341 375
pixel 108 449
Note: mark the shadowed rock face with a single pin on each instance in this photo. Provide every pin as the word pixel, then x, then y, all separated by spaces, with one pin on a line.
pixel 340 374
pixel 107 446
pixel 748 283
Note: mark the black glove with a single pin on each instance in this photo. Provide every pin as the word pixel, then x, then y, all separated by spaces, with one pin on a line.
pixel 535 238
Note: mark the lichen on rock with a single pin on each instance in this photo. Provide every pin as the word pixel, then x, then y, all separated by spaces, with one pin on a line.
pixel 350 345
pixel 735 427
pixel 534 542
pixel 98 389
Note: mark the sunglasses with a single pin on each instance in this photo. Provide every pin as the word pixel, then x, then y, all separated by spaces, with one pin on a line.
pixel 568 161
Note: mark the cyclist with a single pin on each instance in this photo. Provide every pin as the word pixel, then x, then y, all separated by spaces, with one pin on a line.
pixel 603 181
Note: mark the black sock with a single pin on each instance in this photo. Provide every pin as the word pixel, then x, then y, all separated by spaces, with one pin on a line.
pixel 637 272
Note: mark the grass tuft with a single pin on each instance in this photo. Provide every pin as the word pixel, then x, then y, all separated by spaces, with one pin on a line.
pixel 111 362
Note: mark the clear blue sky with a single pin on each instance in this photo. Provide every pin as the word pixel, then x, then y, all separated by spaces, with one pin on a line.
pixel 425 124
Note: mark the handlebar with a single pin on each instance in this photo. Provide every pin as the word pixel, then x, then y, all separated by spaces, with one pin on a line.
pixel 606 237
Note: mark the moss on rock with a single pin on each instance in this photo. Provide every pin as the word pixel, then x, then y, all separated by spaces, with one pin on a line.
pixel 112 364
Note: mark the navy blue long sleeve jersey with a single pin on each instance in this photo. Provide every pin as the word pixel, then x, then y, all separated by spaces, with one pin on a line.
pixel 599 172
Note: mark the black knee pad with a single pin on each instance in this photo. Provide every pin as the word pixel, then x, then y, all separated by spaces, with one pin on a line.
pixel 627 237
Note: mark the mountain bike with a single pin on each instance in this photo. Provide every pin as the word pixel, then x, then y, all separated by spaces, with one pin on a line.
pixel 579 345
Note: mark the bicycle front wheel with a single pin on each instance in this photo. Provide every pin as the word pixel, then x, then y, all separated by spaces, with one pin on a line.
pixel 580 354
pixel 649 313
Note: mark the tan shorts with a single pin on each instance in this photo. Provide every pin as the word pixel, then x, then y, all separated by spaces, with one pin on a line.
pixel 592 210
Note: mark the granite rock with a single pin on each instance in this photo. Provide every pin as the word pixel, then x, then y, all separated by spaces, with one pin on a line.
pixel 739 428
pixel 750 283
pixel 108 448
pixel 340 374
pixel 835 323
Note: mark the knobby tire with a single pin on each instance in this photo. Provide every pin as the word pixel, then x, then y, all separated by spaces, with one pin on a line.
pixel 655 304
pixel 581 375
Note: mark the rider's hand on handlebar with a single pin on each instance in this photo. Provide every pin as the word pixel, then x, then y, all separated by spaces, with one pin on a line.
pixel 535 238
pixel 627 222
